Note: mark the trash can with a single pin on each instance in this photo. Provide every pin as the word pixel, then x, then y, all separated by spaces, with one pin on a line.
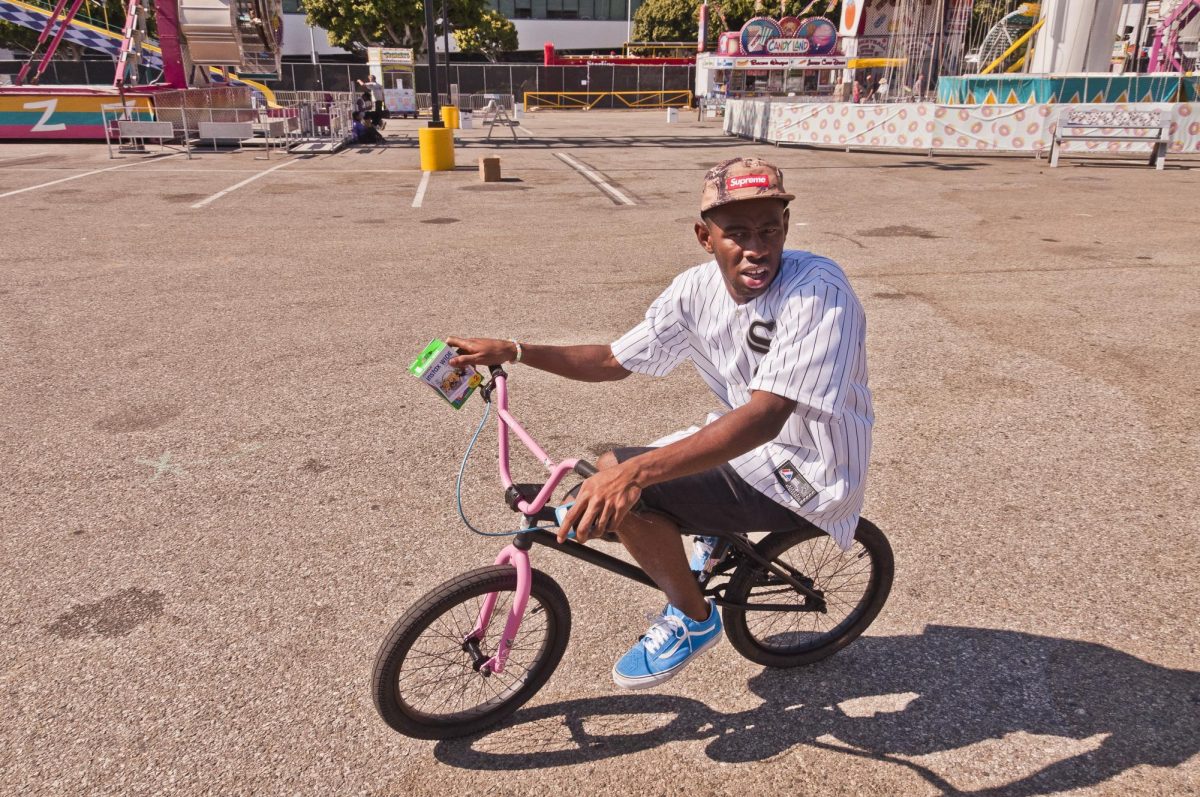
pixel 450 117
pixel 672 115
pixel 437 149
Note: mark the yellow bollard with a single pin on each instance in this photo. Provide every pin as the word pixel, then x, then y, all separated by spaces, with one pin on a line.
pixel 437 149
pixel 450 117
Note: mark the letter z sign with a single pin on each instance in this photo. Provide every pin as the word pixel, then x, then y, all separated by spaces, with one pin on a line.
pixel 41 126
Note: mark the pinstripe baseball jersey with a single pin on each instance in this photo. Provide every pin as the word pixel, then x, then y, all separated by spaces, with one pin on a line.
pixel 804 339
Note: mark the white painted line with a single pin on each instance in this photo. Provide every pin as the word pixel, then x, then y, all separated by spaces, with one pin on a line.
pixel 85 174
pixel 233 188
pixel 170 170
pixel 25 155
pixel 595 179
pixel 525 130
pixel 420 197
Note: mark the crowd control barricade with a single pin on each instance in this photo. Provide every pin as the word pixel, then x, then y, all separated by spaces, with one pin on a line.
pixel 323 118
pixel 467 102
pixel 587 100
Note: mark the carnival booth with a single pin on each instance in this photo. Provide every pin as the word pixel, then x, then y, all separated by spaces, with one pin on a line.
pixel 789 57
pixel 394 68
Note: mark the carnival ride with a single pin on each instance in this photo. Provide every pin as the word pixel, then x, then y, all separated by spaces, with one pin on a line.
pixel 201 44
pixel 1167 53
pixel 1120 75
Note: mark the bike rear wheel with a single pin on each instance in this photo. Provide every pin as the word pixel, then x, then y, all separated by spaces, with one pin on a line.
pixel 426 682
pixel 854 585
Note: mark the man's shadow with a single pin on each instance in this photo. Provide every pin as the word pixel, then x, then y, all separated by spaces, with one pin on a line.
pixel 890 698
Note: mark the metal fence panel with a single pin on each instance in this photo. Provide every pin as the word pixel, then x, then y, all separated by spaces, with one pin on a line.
pixel 309 77
pixel 600 78
pixel 524 78
pixel 574 78
pixel 625 78
pixel 471 80
pixel 678 79
pixel 515 79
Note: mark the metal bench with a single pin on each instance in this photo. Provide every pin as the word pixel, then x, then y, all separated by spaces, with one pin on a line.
pixel 132 134
pixel 225 131
pixel 1113 125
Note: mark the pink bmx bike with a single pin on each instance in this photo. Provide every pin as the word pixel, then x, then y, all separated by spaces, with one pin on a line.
pixel 476 648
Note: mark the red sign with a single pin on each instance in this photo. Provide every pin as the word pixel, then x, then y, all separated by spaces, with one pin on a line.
pixel 748 181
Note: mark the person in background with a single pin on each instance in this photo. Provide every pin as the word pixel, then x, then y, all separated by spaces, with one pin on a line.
pixel 869 89
pixel 856 92
pixel 372 135
pixel 364 105
pixel 373 87
pixel 364 130
pixel 881 91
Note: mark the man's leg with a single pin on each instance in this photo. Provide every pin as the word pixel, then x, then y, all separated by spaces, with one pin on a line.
pixel 656 544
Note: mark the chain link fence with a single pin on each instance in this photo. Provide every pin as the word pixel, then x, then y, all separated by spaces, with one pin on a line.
pixel 471 79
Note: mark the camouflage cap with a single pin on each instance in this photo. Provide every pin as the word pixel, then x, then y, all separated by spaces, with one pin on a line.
pixel 742 178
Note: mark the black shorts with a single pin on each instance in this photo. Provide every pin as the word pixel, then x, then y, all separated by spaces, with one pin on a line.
pixel 716 501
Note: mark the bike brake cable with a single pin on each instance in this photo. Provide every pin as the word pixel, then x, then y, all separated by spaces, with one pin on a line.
pixel 487 412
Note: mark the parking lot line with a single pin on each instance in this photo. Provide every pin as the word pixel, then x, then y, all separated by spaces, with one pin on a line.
pixel 236 186
pixel 85 174
pixel 595 179
pixel 420 197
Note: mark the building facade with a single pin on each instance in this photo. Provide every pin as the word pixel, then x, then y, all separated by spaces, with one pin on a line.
pixel 568 24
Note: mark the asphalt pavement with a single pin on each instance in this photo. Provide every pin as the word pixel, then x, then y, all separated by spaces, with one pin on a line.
pixel 222 487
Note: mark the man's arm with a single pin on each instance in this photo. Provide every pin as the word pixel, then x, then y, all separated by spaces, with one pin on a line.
pixel 607 497
pixel 589 363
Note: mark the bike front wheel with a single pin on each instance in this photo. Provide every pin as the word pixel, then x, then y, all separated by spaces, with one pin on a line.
pixel 427 682
pixel 853 584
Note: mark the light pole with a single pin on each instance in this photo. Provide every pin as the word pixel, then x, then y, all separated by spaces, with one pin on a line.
pixel 446 45
pixel 628 21
pixel 430 57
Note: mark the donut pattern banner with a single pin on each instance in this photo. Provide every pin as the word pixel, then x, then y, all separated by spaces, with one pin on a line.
pixel 928 126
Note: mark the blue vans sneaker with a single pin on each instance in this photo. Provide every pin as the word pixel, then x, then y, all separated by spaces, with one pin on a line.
pixel 670 645
pixel 702 548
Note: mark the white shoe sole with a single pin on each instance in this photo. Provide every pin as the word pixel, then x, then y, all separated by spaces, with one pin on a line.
pixel 654 680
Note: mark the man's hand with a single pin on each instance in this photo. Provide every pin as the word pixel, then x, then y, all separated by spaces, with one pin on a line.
pixel 481 351
pixel 602 504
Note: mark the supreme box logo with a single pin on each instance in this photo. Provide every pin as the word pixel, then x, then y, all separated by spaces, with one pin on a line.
pixel 748 181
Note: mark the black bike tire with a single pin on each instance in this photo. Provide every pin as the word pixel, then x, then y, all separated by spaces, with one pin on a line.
pixel 773 546
pixel 436 603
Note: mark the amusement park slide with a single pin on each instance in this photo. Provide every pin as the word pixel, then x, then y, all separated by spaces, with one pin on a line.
pixel 96 35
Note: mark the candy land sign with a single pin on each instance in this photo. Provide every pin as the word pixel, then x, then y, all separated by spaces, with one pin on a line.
pixel 789 36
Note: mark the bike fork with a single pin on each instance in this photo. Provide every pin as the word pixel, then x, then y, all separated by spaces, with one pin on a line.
pixel 519 559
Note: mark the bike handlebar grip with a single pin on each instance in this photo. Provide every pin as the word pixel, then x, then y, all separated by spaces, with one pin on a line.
pixel 587 469
pixel 496 369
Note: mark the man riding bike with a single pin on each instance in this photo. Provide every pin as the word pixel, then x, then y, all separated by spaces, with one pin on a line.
pixel 779 337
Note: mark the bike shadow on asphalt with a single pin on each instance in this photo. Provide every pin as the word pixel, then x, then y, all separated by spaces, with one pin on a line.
pixel 891 699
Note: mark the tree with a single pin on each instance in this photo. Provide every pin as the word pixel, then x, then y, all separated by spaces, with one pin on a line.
pixel 395 23
pixel 492 36
pixel 17 38
pixel 679 20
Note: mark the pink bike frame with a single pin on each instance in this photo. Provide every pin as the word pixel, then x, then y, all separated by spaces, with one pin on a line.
pixel 512 555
